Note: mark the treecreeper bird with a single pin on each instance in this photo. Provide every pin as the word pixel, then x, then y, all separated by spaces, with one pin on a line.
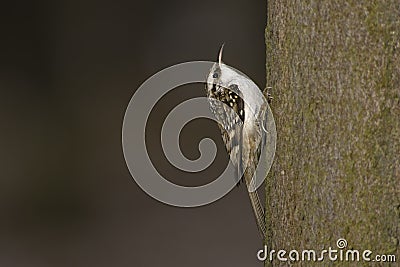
pixel 236 104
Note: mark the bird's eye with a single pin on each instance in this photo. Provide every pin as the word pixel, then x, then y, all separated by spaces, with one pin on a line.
pixel 215 75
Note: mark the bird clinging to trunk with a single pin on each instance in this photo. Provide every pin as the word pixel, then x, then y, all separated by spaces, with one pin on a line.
pixel 239 106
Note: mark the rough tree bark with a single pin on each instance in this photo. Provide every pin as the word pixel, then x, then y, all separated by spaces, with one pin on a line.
pixel 334 68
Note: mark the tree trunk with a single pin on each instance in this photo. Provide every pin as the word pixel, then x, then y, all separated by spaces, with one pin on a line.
pixel 334 69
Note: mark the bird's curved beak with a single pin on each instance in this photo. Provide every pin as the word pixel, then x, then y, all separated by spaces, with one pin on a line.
pixel 220 54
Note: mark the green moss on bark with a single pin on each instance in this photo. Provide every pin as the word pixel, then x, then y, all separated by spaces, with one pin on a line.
pixel 334 69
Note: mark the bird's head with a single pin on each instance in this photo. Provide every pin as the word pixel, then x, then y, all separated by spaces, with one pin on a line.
pixel 220 77
pixel 235 89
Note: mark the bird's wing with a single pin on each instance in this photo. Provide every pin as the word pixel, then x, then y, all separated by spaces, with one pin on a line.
pixel 228 109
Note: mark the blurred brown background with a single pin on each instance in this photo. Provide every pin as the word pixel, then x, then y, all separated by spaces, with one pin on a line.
pixel 67 72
